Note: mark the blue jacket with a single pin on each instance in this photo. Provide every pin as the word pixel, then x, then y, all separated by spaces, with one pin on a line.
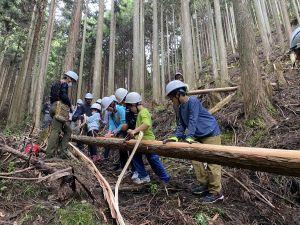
pixel 83 109
pixel 198 122
pixel 59 92
pixel 93 122
pixel 117 119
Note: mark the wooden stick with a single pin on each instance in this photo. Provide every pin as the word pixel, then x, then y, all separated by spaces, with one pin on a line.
pixel 279 161
pixel 108 194
pixel 255 192
pixel 141 134
pixel 17 171
pixel 221 104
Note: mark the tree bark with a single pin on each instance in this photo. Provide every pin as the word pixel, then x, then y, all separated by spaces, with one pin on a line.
pixel 97 75
pixel 287 24
pixel 279 161
pixel 224 78
pixel 276 17
pixel 79 86
pixel 156 87
pixel 142 48
pixel 73 37
pixel 13 117
pixel 190 78
pixel 212 42
pixel 296 11
pixel 229 29
pixel 263 30
pixel 136 47
pixel 162 53
pixel 43 65
pixel 255 98
pixel 112 46
pixel 168 50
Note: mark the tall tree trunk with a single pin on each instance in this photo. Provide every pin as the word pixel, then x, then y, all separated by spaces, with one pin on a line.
pixel 262 29
pixel 73 37
pixel 98 53
pixel 35 45
pixel 162 53
pixel 266 20
pixel 233 24
pixel 142 49
pixel 255 98
pixel 188 45
pixel 195 50
pixel 287 24
pixel 13 117
pixel 136 47
pixel 156 87
pixel 229 29
pixel 43 65
pixel 79 86
pixel 168 50
pixel 112 46
pixel 212 42
pixel 224 78
pixel 174 41
pixel 276 17
pixel 198 42
pixel 296 10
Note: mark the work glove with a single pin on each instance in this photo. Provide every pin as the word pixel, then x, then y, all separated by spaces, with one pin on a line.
pixel 170 139
pixel 190 140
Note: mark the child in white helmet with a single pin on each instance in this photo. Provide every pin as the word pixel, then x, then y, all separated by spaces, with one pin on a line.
pixel 93 125
pixel 144 124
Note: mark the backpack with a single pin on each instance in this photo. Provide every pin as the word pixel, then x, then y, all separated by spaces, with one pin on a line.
pixel 55 91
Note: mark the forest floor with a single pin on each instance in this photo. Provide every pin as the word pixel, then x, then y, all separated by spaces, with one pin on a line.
pixel 28 202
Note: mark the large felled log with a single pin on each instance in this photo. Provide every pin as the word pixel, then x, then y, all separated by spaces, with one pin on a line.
pixel 279 161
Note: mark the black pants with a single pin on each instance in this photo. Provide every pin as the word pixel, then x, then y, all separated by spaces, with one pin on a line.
pixel 93 148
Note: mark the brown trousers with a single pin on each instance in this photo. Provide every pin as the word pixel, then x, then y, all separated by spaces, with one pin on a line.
pixel 209 174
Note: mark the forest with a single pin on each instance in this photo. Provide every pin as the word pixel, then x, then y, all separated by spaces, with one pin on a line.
pixel 238 57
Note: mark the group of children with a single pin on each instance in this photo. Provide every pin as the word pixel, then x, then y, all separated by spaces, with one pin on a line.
pixel 126 116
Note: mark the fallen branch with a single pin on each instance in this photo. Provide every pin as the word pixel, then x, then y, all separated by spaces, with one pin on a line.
pixel 108 194
pixel 141 134
pixel 254 192
pixel 221 104
pixel 17 171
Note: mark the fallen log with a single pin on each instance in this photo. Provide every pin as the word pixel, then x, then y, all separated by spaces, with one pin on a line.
pixel 214 90
pixel 221 104
pixel 210 90
pixel 278 161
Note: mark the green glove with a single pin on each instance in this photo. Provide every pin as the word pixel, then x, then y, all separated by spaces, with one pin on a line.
pixel 170 139
pixel 190 140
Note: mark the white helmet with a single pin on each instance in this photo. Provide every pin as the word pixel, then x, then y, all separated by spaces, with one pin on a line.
pixel 113 98
pixel 133 98
pixel 295 39
pixel 96 106
pixel 106 101
pixel 89 96
pixel 121 94
pixel 173 85
pixel 99 101
pixel 72 75
pixel 79 101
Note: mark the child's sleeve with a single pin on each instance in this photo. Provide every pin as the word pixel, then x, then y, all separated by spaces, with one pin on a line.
pixel 122 113
pixel 146 118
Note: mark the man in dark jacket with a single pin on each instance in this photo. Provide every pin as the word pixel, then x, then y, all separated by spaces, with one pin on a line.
pixel 59 92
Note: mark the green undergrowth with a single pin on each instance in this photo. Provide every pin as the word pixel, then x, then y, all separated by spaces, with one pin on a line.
pixel 203 217
pixel 77 213
pixel 258 130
